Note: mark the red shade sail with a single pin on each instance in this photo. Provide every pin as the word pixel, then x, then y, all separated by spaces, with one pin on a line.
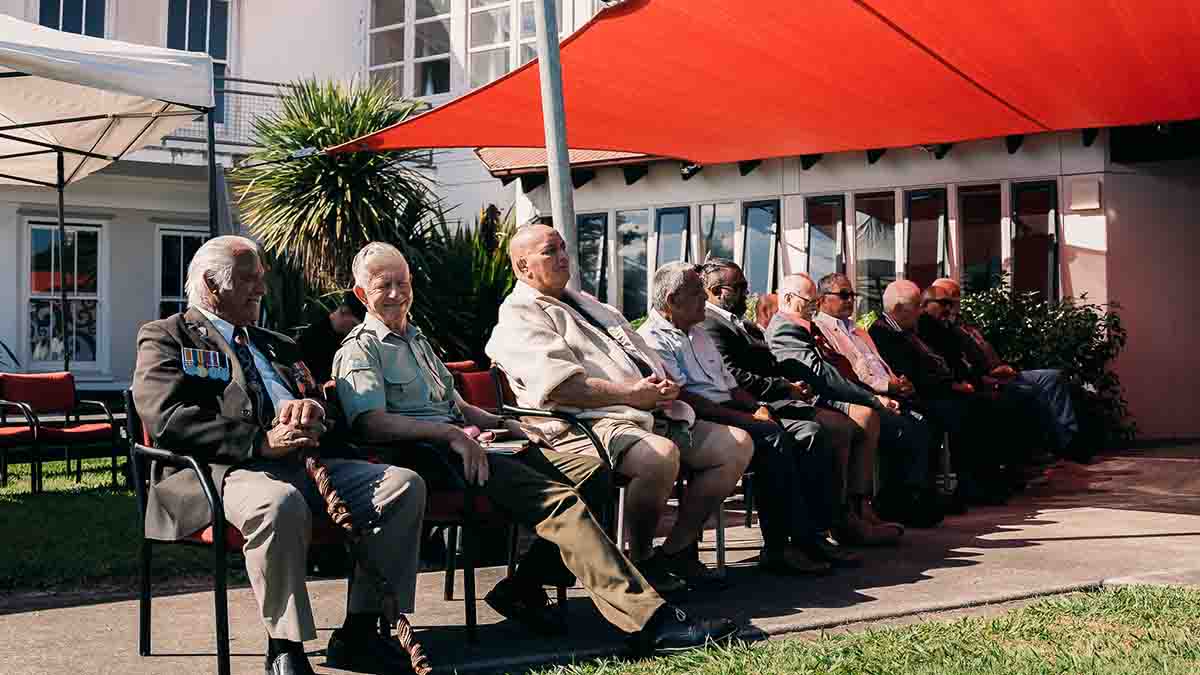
pixel 727 80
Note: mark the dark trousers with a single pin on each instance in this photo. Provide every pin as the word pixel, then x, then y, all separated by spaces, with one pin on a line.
pixel 904 443
pixel 1049 397
pixel 792 479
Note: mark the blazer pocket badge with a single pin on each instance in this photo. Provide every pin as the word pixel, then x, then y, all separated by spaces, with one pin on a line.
pixel 205 363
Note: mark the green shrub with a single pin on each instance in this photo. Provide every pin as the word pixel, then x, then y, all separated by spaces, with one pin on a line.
pixel 1076 336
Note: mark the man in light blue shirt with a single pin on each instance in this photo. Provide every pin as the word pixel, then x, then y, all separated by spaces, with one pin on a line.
pixel 792 459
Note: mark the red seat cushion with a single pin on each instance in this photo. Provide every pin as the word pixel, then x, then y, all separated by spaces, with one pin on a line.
pixel 11 436
pixel 324 532
pixel 460 366
pixel 78 433
pixel 447 508
pixel 478 389
pixel 44 392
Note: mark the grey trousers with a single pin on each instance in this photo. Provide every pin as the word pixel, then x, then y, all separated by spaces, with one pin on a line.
pixel 273 503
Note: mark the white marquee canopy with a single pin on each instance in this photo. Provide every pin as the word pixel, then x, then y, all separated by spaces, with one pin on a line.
pixel 94 100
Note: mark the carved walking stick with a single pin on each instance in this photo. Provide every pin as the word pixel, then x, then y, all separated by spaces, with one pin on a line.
pixel 339 512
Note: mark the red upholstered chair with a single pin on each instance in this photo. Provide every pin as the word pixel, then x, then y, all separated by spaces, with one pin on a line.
pixel 54 394
pixel 20 432
pixel 141 454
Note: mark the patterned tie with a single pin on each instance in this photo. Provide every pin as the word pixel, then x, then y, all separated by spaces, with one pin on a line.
pixel 263 406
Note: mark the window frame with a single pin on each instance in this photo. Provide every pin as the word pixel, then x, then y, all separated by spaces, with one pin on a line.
pixel 163 230
pixel 943 234
pixel 1056 236
pixel 685 255
pixel 101 365
pixel 773 255
pixel 603 273
pixel 109 17
pixel 231 37
pixel 840 245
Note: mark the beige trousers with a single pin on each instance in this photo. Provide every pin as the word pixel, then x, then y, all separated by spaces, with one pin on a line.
pixel 273 503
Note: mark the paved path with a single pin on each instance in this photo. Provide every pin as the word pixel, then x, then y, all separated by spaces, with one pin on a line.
pixel 1124 517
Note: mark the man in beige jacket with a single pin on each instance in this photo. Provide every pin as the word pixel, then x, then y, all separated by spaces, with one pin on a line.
pixel 564 350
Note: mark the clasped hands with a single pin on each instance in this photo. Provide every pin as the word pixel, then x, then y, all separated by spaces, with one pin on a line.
pixel 299 424
pixel 653 393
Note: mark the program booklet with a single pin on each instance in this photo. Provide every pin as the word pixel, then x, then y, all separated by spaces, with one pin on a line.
pixel 506 447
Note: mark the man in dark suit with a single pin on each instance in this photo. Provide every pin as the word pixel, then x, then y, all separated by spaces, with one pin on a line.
pixel 950 402
pixel 744 349
pixel 210 384
pixel 802 351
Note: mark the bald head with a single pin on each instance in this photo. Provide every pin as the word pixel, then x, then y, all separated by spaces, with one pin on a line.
pixel 952 287
pixel 902 301
pixel 798 295
pixel 539 259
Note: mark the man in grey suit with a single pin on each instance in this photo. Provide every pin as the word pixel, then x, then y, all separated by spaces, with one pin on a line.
pixel 210 384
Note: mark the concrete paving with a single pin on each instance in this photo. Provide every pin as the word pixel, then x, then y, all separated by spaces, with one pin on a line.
pixel 1132 518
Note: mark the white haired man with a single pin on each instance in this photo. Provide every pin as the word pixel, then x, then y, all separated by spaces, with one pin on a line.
pixel 211 384
pixel 904 438
pixel 565 350
pixel 397 393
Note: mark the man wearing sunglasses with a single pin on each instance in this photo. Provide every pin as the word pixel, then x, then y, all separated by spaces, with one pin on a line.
pixel 904 438
pixel 1047 390
pixel 744 349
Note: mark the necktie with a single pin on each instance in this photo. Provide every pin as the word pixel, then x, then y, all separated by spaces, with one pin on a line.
pixel 254 382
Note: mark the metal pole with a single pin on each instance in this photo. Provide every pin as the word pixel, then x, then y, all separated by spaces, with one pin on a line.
pixel 62 276
pixel 562 197
pixel 213 226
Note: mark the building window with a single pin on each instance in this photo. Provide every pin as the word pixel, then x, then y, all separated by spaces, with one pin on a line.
pixel 528 48
pixel 431 47
pixel 386 38
pixel 762 231
pixel 502 34
pixel 673 226
pixel 927 246
pixel 717 225
pixel 85 17
pixel 633 235
pixel 176 248
pixel 979 218
pixel 203 26
pixel 73 262
pixel 875 247
pixel 1035 238
pixel 826 217
pixel 429 28
pixel 593 253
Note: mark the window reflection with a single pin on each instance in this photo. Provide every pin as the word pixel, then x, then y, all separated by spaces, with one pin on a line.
pixel 716 231
pixel 1035 238
pixel 673 230
pixel 825 216
pixel 593 258
pixel 875 247
pixel 926 214
pixel 633 233
pixel 762 224
pixel 979 213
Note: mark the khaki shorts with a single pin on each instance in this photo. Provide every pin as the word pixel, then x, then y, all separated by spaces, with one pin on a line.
pixel 618 436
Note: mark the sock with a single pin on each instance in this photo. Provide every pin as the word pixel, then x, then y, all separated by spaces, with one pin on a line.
pixel 360 623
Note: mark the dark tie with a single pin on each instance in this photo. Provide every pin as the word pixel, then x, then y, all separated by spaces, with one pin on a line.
pixel 254 382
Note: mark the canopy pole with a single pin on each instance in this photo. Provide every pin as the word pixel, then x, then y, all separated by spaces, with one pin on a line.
pixel 68 343
pixel 562 197
pixel 213 224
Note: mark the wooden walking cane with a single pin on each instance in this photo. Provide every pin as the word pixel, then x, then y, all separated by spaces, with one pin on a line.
pixel 339 512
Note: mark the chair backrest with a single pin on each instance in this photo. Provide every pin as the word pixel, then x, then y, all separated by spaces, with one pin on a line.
pixel 43 392
pixel 477 389
pixel 134 429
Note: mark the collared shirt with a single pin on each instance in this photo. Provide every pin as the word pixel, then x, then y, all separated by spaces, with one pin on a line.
pixel 752 332
pixel 691 359
pixel 378 369
pixel 848 339
pixel 277 389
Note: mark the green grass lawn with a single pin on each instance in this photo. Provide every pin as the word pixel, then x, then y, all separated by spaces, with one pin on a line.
pixel 73 536
pixel 1131 630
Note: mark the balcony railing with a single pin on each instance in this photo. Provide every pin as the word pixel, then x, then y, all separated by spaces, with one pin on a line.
pixel 239 103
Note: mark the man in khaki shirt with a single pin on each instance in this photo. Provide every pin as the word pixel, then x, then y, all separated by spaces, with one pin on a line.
pixel 395 392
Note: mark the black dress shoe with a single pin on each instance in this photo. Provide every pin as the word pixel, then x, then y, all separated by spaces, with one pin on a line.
pixel 822 549
pixel 289 663
pixel 366 652
pixel 686 565
pixel 671 630
pixel 913 508
pixel 528 606
pixel 792 563
pixel 657 571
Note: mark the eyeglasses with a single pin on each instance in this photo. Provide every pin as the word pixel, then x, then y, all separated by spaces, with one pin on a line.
pixel 844 295
pixel 737 288
pixel 944 302
pixel 801 298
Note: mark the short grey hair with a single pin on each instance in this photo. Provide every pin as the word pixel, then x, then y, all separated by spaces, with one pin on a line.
pixel 899 292
pixel 213 262
pixel 712 268
pixel 832 279
pixel 792 283
pixel 362 259
pixel 668 279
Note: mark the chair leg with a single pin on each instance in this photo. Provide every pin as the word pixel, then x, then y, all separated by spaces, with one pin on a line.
pixel 469 584
pixel 221 605
pixel 620 524
pixel 144 557
pixel 562 604
pixel 4 468
pixel 512 549
pixel 79 469
pixel 451 555
pixel 748 499
pixel 116 444
pixel 721 538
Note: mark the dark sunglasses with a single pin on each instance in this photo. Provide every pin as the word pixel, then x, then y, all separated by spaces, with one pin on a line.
pixel 844 295
pixel 944 302
pixel 740 288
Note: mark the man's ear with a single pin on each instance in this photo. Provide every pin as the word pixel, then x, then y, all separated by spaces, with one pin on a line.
pixel 210 285
pixel 361 294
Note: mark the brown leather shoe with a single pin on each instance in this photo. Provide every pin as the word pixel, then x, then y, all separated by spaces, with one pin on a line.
pixel 792 562
pixel 867 513
pixel 855 531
